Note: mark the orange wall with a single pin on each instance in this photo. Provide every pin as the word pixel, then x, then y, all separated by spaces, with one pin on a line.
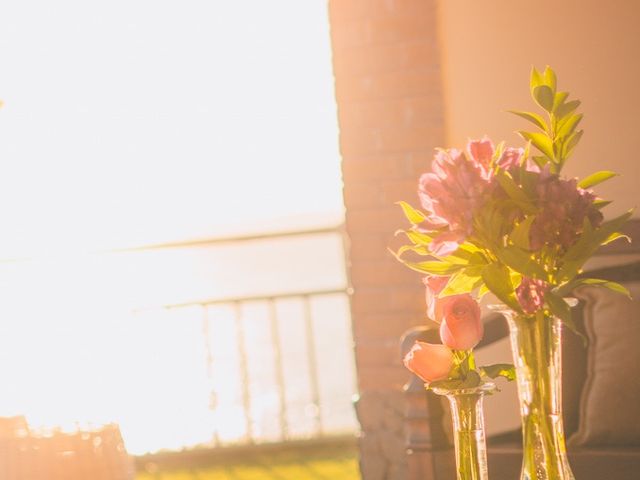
pixel 488 49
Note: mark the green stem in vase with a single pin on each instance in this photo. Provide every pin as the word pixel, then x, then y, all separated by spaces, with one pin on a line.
pixel 468 429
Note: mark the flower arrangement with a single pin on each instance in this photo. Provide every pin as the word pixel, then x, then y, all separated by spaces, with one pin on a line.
pixel 500 220
pixel 505 220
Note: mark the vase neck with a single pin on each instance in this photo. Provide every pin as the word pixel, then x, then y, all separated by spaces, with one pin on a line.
pixel 468 431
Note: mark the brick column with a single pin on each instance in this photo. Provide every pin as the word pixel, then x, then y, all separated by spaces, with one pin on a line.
pixel 388 88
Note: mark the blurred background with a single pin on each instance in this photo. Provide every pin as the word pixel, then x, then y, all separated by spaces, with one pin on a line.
pixel 172 246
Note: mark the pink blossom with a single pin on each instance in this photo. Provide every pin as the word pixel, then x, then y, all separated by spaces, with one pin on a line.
pixel 564 207
pixel 481 152
pixel 530 294
pixel 452 194
pixel 510 158
pixel 461 327
pixel 429 361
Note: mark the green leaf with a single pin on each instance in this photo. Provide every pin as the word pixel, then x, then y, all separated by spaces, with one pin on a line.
pixel 521 261
pixel 539 140
pixel 496 278
pixel 534 118
pixel 465 256
pixel 616 287
pixel 616 236
pixel 562 310
pixel 558 306
pixel 596 178
pixel 418 238
pixel 520 233
pixel 463 281
pixel 536 79
pixel 600 203
pixel 497 152
pixel 567 127
pixel 571 142
pixel 566 108
pixel 543 95
pixel 569 287
pixel 587 244
pixel 433 268
pixel 472 380
pixel 505 370
pixel 559 99
pixel 419 249
pixel 413 215
pixel 550 78
pixel 515 192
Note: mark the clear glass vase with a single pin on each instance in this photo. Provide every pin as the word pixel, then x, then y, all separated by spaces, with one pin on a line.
pixel 536 344
pixel 468 429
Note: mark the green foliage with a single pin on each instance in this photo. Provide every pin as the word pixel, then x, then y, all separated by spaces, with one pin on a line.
pixel 568 287
pixel 590 240
pixel 505 370
pixel 561 309
pixel 596 178
pixel 417 238
pixel 434 267
pixel 541 141
pixel 414 216
pixel 600 203
pixel 497 279
pixel 520 233
pixel 534 118
pixel 515 192
pixel 521 261
pixel 558 137
pixel 463 281
pixel 465 374
pixel 544 96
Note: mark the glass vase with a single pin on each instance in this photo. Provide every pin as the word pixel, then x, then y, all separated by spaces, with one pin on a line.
pixel 536 344
pixel 468 429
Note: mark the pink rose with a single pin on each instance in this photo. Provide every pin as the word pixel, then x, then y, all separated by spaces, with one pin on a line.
pixel 461 327
pixel 429 361
pixel 433 286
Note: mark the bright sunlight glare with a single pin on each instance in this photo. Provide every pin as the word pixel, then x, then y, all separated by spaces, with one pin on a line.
pixel 139 122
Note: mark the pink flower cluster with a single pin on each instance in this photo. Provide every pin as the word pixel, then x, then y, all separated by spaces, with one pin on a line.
pixel 564 206
pixel 460 329
pixel 461 184
pixel 457 189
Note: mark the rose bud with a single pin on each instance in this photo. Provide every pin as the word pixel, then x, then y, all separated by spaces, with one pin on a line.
pixel 429 361
pixel 461 327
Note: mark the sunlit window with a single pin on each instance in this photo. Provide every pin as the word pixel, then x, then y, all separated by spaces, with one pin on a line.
pixel 134 136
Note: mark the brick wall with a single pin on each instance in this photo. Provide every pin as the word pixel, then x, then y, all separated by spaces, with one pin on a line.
pixel 388 88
